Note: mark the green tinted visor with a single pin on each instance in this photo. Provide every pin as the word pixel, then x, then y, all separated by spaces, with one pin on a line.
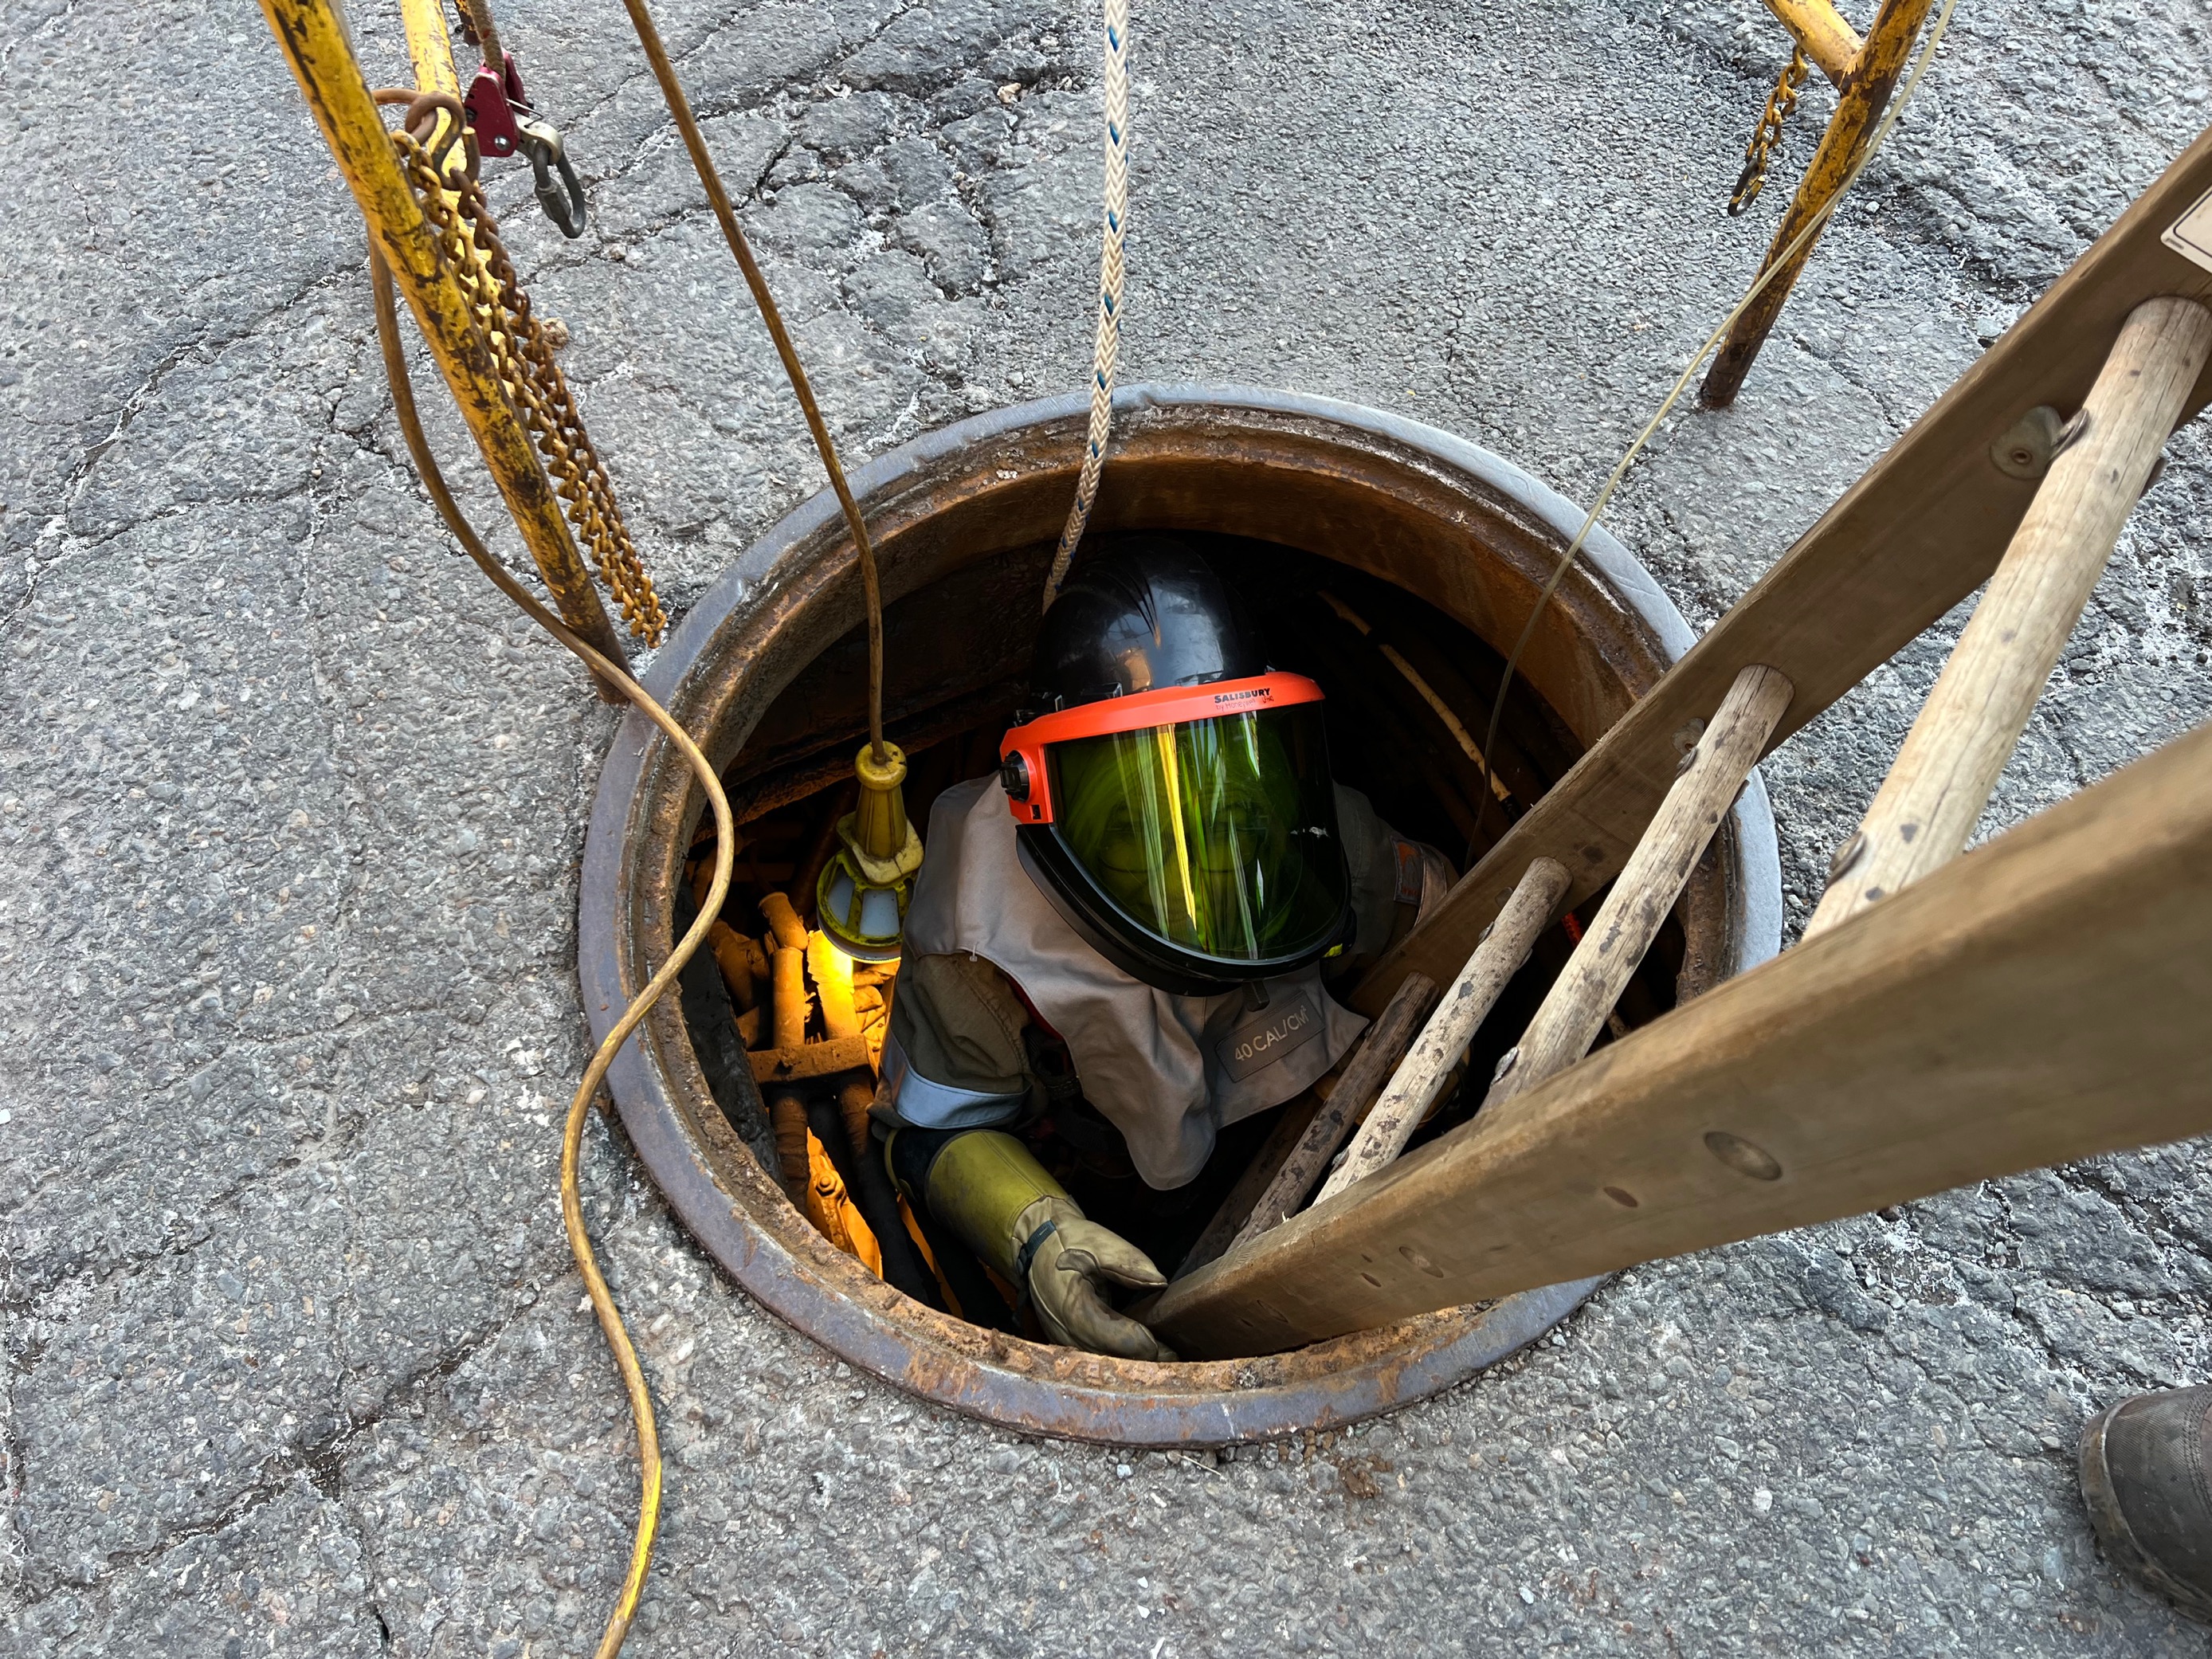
pixel 1218 836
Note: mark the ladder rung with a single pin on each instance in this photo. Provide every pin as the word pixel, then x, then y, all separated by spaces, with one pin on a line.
pixel 1906 1054
pixel 1612 947
pixel 1453 1026
pixel 1966 731
pixel 1381 1048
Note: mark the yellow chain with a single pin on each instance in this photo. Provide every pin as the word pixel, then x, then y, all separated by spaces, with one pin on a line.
pixel 1759 152
pixel 469 243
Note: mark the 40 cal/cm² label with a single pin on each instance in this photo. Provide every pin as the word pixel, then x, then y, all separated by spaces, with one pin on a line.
pixel 1268 1035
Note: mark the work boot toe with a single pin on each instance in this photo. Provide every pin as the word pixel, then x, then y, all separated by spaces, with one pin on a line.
pixel 2148 1487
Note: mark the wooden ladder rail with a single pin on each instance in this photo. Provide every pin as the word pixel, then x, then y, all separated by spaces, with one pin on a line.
pixel 1972 720
pixel 1926 807
pixel 1711 774
pixel 1920 531
pixel 1920 820
pixel 2038 1001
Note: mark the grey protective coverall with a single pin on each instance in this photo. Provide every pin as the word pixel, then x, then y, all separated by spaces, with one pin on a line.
pixel 988 956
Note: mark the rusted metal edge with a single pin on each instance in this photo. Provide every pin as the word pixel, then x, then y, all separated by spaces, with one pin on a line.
pixel 1017 1384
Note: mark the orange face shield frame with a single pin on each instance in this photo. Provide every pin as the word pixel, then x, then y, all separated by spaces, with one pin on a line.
pixel 1027 779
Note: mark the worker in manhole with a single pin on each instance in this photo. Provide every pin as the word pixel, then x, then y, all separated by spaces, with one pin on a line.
pixel 1132 928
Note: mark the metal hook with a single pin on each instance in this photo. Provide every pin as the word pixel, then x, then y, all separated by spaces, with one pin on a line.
pixel 424 109
pixel 421 121
pixel 564 202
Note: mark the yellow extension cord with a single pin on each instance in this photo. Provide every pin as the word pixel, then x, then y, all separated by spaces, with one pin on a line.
pixel 411 426
pixel 571 1137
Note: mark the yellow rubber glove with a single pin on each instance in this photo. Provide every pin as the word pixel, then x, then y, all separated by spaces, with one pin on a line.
pixel 987 1188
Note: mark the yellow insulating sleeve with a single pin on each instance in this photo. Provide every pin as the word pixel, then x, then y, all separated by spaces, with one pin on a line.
pixel 833 983
pixel 787 1118
pixel 789 1004
pixel 854 1101
pixel 790 932
pixel 980 1185
pixel 737 963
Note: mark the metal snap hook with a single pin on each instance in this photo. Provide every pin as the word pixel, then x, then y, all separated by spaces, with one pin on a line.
pixel 564 202
pixel 421 121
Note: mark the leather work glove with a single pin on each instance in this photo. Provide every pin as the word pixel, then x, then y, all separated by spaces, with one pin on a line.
pixel 985 1186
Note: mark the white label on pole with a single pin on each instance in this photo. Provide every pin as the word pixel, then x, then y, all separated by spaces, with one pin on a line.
pixel 2191 235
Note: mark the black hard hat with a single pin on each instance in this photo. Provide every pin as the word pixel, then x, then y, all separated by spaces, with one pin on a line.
pixel 1148 612
pixel 1171 793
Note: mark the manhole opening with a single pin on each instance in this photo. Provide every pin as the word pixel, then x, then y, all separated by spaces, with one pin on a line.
pixel 1410 695
pixel 1441 548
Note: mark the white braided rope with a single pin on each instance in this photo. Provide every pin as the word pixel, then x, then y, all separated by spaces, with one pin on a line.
pixel 1109 289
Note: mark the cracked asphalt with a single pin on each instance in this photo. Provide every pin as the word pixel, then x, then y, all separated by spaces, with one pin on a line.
pixel 292 810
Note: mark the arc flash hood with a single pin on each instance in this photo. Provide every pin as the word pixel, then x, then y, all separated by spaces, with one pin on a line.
pixel 1171 792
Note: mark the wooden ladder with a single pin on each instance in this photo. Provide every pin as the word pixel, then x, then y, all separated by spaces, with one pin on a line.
pixel 1944 1020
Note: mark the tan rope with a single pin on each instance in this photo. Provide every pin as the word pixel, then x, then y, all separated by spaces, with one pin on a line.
pixel 1108 345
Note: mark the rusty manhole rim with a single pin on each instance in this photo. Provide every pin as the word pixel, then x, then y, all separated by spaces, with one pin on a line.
pixel 741 1217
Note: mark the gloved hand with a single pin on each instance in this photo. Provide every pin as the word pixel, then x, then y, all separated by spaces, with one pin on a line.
pixel 1067 1263
pixel 986 1187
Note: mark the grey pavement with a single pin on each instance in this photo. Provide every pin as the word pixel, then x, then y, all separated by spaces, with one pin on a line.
pixel 291 811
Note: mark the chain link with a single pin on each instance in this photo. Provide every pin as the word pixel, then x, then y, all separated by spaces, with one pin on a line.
pixel 1759 153
pixel 522 350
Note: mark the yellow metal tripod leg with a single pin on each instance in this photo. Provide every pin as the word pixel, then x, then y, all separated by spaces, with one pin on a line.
pixel 429 47
pixel 314 43
pixel 1865 90
pixel 1820 32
